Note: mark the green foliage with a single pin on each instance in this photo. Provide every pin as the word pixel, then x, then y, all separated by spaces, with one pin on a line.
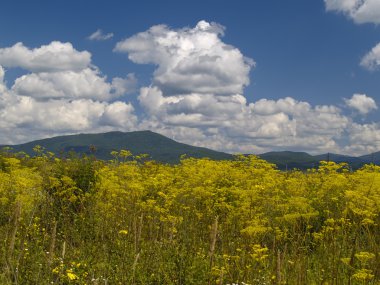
pixel 156 146
pixel 133 221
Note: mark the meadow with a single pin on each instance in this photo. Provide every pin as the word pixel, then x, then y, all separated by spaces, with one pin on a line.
pixel 78 220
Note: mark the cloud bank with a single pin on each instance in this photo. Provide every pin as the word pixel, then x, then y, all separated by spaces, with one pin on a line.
pixel 196 96
pixel 62 92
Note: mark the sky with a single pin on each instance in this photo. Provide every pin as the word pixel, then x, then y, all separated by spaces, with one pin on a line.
pixel 235 76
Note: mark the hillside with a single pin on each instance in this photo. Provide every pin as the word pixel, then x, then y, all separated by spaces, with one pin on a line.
pixel 157 146
pixel 289 159
pixel 371 158
pixel 302 160
pixel 163 149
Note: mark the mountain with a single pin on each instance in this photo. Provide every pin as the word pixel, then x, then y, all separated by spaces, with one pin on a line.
pixel 371 158
pixel 158 147
pixel 287 156
pixel 338 158
pixel 163 149
pixel 302 160
pixel 290 159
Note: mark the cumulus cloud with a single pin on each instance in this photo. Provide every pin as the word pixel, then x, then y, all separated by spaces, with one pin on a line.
pixel 361 103
pixel 54 114
pixel 263 125
pixel 59 71
pixel 126 85
pixel 196 97
pixel 54 99
pixel 98 35
pixel 190 60
pixel 87 83
pixel 25 114
pixel 119 114
pixel 2 83
pixel 2 72
pixel 371 60
pixel 363 138
pixel 206 107
pixel 56 56
pixel 63 116
pixel 360 11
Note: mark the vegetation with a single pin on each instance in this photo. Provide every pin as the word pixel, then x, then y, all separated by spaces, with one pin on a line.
pixel 285 160
pixel 156 146
pixel 131 221
pixel 165 150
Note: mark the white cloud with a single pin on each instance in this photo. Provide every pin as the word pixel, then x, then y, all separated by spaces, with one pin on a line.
pixel 2 83
pixel 64 116
pixel 52 101
pixel 287 105
pixel 371 60
pixel 263 125
pixel 98 35
pixel 193 90
pixel 196 96
pixel 2 72
pixel 360 11
pixel 119 114
pixel 364 138
pixel 190 60
pixel 87 83
pixel 60 71
pixel 191 109
pixel 361 103
pixel 126 85
pixel 56 56
pixel 54 114
pixel 341 5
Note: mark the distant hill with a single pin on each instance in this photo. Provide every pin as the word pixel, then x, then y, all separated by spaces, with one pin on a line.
pixel 163 149
pixel 290 159
pixel 156 146
pixel 302 160
pixel 371 158
pixel 354 162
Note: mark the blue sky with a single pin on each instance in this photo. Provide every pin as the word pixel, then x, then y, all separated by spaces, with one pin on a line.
pixel 237 76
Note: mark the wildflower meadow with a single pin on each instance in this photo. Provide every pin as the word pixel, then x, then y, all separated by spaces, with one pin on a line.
pixel 78 220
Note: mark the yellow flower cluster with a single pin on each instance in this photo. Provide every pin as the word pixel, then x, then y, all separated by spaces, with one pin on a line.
pixel 134 221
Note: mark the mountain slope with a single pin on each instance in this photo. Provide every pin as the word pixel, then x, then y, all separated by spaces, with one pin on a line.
pixel 371 158
pixel 163 149
pixel 158 147
pixel 338 158
pixel 302 160
pixel 290 159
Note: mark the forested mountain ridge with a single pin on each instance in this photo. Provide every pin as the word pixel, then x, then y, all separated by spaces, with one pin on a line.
pixel 156 146
pixel 166 150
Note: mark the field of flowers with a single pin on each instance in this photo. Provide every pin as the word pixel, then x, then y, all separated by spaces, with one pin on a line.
pixel 133 221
